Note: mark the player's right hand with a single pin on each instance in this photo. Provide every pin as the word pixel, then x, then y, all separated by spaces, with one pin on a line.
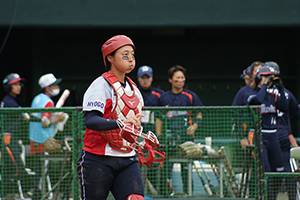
pixel 268 79
pixel 135 120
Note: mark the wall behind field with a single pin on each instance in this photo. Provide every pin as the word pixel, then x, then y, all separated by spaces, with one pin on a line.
pixel 215 40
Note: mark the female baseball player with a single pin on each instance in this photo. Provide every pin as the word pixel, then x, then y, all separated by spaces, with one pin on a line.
pixel 284 132
pixel 108 162
pixel 12 133
pixel 271 154
pixel 180 128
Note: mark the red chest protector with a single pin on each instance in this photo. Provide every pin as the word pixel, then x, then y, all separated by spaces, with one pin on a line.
pixel 128 103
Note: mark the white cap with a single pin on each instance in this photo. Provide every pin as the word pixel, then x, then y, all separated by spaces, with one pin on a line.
pixel 48 79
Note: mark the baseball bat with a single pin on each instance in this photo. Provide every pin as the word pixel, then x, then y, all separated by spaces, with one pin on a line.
pixel 214 170
pixel 229 169
pixel 242 181
pixel 227 163
pixel 206 187
pixel 170 188
pixel 151 187
pixel 62 98
pixel 228 182
pixel 209 181
pixel 217 173
pixel 225 179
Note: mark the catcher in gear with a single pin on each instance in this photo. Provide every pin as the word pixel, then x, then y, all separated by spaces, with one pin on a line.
pixel 112 109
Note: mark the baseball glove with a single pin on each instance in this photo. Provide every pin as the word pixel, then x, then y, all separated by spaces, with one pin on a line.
pixel 190 149
pixel 52 145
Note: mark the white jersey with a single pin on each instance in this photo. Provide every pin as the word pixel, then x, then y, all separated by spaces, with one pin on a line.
pixel 98 97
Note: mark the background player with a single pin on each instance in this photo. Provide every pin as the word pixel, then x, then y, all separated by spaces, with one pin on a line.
pixel 241 96
pixel 39 132
pixel 284 131
pixel 269 102
pixel 151 96
pixel 12 133
pixel 246 75
pixel 107 162
pixel 179 126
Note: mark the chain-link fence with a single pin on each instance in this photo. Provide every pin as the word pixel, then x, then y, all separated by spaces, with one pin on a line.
pixel 27 170
pixel 218 157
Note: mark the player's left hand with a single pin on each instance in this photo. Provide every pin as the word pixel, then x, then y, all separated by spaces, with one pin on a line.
pixel 191 129
pixel 278 83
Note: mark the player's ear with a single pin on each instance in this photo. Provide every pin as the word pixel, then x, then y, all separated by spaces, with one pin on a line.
pixel 110 58
pixel 170 80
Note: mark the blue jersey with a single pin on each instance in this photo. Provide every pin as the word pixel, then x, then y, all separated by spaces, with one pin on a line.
pixel 37 133
pixel 284 129
pixel 242 120
pixel 292 112
pixel 11 122
pixel 178 120
pixel 242 95
pixel 151 96
pixel 269 102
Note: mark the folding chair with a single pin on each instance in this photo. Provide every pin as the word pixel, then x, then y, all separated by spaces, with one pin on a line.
pixel 294 157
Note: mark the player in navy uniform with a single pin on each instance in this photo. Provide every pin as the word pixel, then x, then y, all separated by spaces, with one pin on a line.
pixel 241 96
pixel 240 99
pixel 246 75
pixel 284 131
pixel 13 164
pixel 179 126
pixel 150 95
pixel 269 102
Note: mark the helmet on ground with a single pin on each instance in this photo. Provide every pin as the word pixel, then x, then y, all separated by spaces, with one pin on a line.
pixel 264 70
pixel 275 66
pixel 10 79
pixel 113 44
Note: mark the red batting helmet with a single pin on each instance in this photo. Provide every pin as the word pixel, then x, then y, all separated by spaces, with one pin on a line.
pixel 264 70
pixel 115 43
pixel 10 79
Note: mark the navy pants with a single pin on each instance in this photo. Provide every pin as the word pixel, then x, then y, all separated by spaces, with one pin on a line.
pixel 272 159
pixel 285 145
pixel 100 174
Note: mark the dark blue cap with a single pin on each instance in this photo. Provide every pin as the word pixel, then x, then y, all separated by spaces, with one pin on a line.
pixel 145 70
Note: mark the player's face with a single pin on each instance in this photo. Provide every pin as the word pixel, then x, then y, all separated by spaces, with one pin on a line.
pixel 263 80
pixel 254 71
pixel 145 81
pixel 178 80
pixel 123 61
pixel 15 89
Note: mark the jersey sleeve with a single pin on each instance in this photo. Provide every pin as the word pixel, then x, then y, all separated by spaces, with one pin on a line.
pixel 294 109
pixel 97 94
pixel 49 104
pixel 237 99
pixel 196 100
